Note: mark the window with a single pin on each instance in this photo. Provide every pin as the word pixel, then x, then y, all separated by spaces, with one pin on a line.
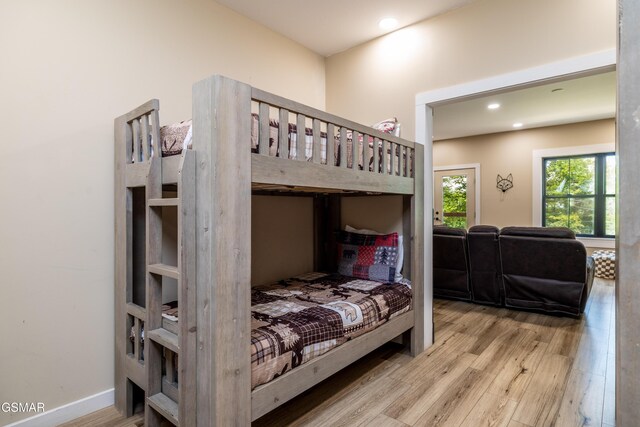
pixel 579 193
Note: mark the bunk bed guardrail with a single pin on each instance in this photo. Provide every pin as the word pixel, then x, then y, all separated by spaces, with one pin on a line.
pixel 333 145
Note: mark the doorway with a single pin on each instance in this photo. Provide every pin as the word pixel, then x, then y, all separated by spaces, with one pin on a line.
pixel 454 197
pixel 574 67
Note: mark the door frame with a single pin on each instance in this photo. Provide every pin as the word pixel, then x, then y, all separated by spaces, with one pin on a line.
pixel 594 63
pixel 585 65
pixel 476 168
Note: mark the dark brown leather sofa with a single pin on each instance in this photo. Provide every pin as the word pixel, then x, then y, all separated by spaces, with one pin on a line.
pixel 531 268
pixel 485 267
pixel 545 269
pixel 450 263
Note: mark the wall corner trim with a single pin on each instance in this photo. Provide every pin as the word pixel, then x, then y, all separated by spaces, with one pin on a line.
pixel 69 412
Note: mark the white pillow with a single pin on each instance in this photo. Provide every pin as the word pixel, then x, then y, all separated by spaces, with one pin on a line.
pixel 398 276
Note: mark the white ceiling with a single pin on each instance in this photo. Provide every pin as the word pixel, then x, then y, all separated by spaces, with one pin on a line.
pixel 331 26
pixel 581 99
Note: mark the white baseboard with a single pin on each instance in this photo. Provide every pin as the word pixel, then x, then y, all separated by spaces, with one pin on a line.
pixel 69 412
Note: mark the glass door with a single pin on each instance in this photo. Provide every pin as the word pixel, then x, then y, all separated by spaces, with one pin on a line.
pixel 454 198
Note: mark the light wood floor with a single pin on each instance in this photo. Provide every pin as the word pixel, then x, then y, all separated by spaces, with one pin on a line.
pixel 488 367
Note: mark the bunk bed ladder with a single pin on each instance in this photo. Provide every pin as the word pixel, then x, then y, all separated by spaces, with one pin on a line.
pixel 168 372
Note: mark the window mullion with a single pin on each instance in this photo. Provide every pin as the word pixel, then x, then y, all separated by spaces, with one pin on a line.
pixel 599 229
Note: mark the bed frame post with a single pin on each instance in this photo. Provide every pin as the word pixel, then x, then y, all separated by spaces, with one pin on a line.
pixel 416 225
pixel 221 135
pixel 326 221
pixel 123 210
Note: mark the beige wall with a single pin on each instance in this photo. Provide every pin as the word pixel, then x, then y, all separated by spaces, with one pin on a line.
pixel 365 212
pixel 486 38
pixel 511 153
pixel 68 69
pixel 282 237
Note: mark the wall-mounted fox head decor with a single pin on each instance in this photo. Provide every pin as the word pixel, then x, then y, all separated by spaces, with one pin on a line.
pixel 504 183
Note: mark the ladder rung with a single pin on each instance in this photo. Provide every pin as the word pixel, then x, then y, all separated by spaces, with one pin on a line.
pixel 164 270
pixel 165 406
pixel 164 202
pixel 165 338
pixel 136 311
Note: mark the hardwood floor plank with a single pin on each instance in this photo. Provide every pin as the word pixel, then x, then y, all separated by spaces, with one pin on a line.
pixel 609 404
pixel 541 400
pixel 496 355
pixel 322 397
pixel 544 326
pixel 488 331
pixel 591 355
pixel 435 358
pixel 513 379
pixel 382 421
pixel 453 310
pixel 491 411
pixel 362 406
pixel 514 423
pixel 108 417
pixel 414 403
pixel 566 339
pixel 599 316
pixel 582 401
pixel 457 402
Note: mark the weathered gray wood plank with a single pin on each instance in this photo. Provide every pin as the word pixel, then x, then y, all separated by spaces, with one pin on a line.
pixel 316 142
pixel 301 140
pixel 263 146
pixel 628 222
pixel 153 352
pixel 187 368
pixel 343 147
pixel 416 269
pixel 273 170
pixel 278 101
pixel 223 229
pixel 331 145
pixel 283 133
pixel 355 151
pixel 123 232
pixel 376 155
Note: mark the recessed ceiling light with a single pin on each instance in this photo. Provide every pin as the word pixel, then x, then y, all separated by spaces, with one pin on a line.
pixel 517 125
pixel 493 106
pixel 388 23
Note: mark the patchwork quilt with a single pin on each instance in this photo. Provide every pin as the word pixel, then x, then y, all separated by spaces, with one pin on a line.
pixel 295 320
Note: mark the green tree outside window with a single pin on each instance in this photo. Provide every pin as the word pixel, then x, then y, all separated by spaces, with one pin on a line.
pixel 578 194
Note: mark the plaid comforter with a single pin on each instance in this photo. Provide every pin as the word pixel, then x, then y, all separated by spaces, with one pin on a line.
pixel 295 320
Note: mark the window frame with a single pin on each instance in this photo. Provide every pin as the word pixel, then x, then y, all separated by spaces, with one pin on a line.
pixel 599 195
pixel 536 181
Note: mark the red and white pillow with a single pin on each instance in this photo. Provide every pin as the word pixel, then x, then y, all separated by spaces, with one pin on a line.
pixel 368 256
pixel 400 261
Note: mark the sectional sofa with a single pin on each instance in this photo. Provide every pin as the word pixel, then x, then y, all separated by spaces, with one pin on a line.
pixel 530 268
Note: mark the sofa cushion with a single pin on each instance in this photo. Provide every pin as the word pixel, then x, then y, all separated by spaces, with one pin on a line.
pixel 555 232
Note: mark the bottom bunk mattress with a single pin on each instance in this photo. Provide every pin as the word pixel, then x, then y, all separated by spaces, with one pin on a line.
pixel 295 320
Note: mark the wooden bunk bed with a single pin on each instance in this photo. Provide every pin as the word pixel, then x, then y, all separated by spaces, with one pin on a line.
pixel 208 189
